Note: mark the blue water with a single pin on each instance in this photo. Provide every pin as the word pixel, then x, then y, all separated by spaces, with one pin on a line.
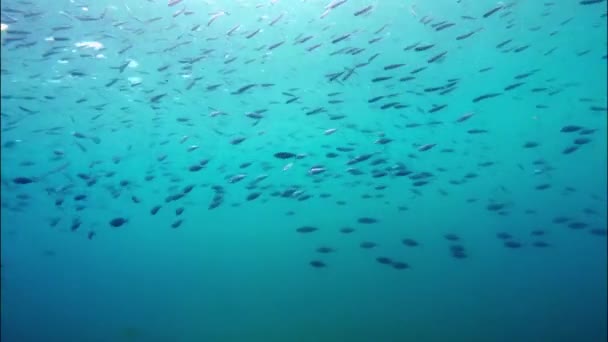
pixel 487 216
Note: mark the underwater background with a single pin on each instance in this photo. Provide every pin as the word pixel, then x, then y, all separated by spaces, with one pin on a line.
pixel 303 170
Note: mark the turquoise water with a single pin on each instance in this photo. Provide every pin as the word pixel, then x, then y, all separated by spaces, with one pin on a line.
pixel 429 214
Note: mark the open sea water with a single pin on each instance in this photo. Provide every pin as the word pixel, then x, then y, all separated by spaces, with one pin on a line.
pixel 307 171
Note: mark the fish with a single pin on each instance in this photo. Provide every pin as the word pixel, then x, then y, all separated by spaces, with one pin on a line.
pixel 426 147
pixel 317 264
pixel 437 108
pixel 341 38
pixel 243 89
pixel 367 220
pixel 215 16
pixel 274 21
pixel 467 35
pixel 465 117
pixel 368 245
pixel 437 57
pixel 363 11
pixel 570 128
pixel 156 98
pixel 381 78
pixel 393 66
pixel 423 47
pixel 253 33
pixel 233 29
pixel 276 45
pixel 444 26
pixel 486 96
pixel 513 86
pixel 492 11
pixel 590 2
pixel 118 222
pixel 155 209
pixel 306 229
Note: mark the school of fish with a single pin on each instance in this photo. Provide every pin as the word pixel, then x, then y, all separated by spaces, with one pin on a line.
pixel 222 105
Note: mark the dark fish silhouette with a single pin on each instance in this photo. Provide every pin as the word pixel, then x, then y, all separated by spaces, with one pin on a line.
pixel 306 229
pixel 118 222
